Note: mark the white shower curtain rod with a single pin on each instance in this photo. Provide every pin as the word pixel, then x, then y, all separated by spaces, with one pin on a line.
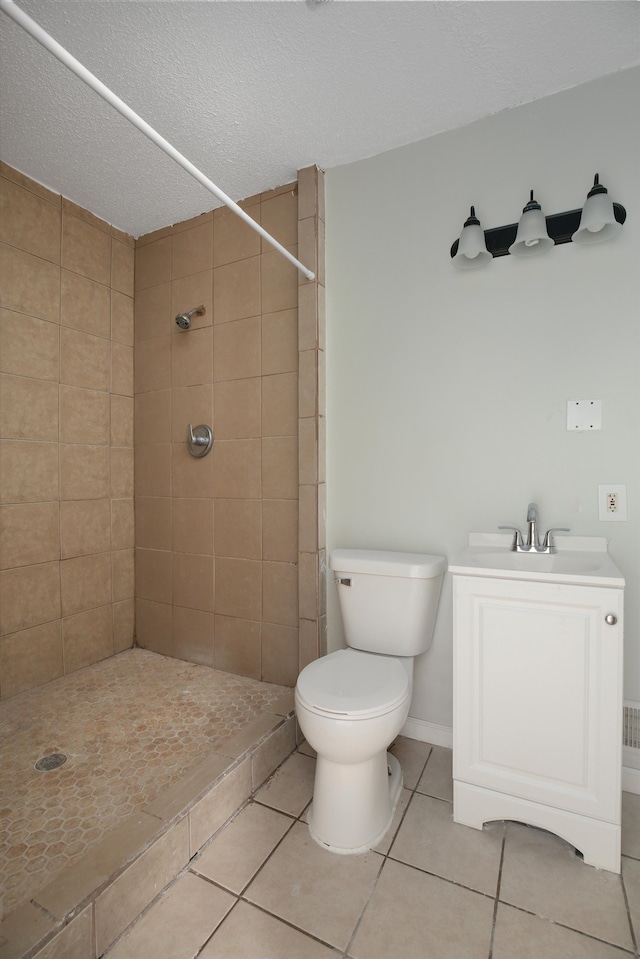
pixel 37 32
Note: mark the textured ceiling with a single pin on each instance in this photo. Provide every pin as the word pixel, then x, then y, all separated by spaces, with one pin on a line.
pixel 250 92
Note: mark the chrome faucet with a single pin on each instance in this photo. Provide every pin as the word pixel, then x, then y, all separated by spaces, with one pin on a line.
pixel 533 544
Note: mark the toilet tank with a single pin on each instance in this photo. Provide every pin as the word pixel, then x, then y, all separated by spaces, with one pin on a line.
pixel 388 600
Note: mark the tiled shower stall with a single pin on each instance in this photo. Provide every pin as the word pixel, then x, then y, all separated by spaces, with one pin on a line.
pixel 228 547
pixel 112 534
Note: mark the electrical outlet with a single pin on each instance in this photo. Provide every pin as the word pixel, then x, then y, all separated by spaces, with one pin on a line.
pixel 612 502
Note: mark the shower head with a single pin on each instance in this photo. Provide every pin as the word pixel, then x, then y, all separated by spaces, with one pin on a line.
pixel 184 319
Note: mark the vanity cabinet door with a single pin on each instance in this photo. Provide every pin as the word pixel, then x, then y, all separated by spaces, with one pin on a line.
pixel 538 692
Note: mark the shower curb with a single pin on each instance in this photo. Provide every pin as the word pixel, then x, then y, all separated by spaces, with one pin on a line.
pixel 88 906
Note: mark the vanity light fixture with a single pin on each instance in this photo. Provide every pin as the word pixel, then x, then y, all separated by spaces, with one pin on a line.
pixel 599 220
pixel 472 249
pixel 532 237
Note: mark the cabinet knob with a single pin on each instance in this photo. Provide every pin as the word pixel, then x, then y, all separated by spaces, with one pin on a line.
pixel 610 619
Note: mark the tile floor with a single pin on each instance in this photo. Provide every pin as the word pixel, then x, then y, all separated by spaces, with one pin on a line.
pixel 432 889
pixel 130 725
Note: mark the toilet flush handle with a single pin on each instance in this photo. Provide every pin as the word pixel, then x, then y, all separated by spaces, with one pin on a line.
pixel 342 581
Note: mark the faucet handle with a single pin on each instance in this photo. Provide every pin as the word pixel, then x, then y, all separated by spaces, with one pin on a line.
pixel 548 541
pixel 517 537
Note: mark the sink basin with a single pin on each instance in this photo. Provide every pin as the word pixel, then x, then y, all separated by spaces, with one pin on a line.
pixel 588 567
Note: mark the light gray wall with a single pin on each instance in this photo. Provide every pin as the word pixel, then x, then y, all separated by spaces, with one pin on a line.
pixel 447 390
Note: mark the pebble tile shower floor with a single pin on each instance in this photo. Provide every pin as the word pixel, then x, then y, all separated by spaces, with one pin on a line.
pixel 129 726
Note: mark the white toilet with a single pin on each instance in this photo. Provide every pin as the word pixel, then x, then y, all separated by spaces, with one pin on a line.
pixel 352 703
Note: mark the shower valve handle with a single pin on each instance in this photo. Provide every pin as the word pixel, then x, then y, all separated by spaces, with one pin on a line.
pixel 200 440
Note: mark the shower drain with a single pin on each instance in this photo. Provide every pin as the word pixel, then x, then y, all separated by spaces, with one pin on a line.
pixel 54 761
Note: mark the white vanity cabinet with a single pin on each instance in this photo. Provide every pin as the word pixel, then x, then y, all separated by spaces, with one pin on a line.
pixel 538 707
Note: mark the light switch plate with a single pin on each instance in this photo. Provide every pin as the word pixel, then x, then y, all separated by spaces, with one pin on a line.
pixel 584 415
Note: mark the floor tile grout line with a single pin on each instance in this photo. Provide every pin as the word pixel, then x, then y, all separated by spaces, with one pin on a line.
pixel 497 896
pixel 385 856
pixel 634 938
pixel 563 925
pixel 291 925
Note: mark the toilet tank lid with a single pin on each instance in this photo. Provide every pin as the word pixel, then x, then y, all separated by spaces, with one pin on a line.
pixel 379 562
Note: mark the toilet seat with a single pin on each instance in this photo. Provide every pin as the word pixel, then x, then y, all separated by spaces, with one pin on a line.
pixel 352 684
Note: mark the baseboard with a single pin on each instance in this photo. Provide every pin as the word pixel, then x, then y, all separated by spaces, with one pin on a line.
pixel 631 780
pixel 426 732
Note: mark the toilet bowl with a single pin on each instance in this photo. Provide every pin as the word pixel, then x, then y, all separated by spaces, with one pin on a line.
pixel 352 703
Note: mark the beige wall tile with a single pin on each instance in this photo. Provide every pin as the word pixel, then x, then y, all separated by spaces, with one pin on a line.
pixel 237 350
pixel 30 658
pixel 280 593
pixel 308 317
pixel 153 365
pixel 122 266
pixel 29 534
pixel 193 635
pixel 308 385
pixel 85 527
pixel 154 626
pixel 272 752
pixel 24 181
pixel 123 625
pixel 308 518
pixel 84 416
pixel 239 588
pixel 280 404
pixel 279 282
pixel 280 467
pixel 238 408
pixel 238 646
pixel 85 583
pixel 193 581
pixel 123 575
pixel 279 217
pixel 238 528
pixel 190 404
pixel 122 421
pixel 237 468
pixel 236 290
pixel 152 417
pixel 153 470
pixel 122 378
pixel 192 249
pixel 121 473
pixel 153 263
pixel 193 221
pixel 280 342
pixel 307 191
pixel 87 637
pixel 121 318
pixel 279 654
pixel 85 304
pixel 85 360
pixel 122 524
pixel 28 472
pixel 28 408
pixel 190 475
pixel 84 472
pixel 29 222
pixel 29 347
pixel 192 358
pixel 41 584
pixel 280 530
pixel 75 939
pixel 309 444
pixel 308 585
pixel 219 804
pixel 153 314
pixel 125 898
pixel 233 239
pixel 153 575
pixel 188 292
pixel 29 284
pixel 193 525
pixel 86 249
pixel 153 522
pixel 68 206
